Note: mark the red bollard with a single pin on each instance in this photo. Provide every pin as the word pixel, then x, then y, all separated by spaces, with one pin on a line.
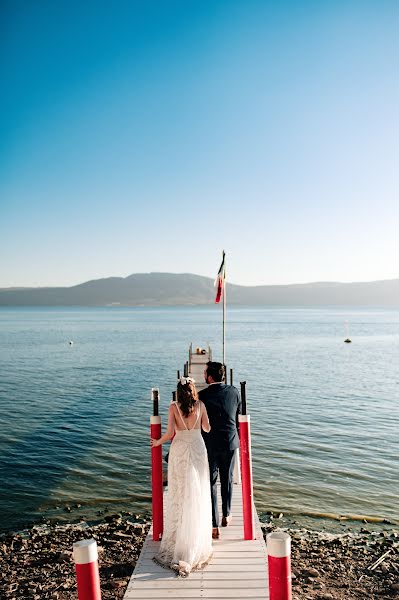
pixel 86 564
pixel 246 477
pixel 156 471
pixel 279 560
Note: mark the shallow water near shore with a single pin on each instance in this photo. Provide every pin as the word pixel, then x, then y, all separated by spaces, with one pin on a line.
pixel 74 418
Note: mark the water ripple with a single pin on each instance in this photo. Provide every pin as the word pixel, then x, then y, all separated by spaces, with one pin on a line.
pixel 75 420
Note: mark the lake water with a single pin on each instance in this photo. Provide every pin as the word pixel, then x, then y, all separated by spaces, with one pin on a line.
pixel 75 419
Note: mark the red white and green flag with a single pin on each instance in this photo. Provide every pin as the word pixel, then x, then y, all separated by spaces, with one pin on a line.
pixel 220 280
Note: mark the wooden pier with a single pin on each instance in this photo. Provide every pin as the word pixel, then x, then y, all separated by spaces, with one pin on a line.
pixel 237 569
pixel 196 366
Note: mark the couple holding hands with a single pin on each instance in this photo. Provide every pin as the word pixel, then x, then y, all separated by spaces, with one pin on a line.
pixel 205 427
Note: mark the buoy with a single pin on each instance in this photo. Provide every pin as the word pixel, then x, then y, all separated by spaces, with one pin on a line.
pixel 347 340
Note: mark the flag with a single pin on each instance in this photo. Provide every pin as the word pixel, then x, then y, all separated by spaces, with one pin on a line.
pixel 219 281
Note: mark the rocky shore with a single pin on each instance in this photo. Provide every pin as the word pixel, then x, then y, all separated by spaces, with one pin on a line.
pixel 37 563
pixel 349 565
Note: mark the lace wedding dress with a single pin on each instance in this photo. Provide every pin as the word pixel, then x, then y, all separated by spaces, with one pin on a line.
pixel 187 537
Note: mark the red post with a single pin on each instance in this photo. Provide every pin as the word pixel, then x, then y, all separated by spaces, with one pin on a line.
pixel 86 565
pixel 246 476
pixel 156 470
pixel 279 560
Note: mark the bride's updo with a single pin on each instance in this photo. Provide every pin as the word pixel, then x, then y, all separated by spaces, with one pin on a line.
pixel 187 395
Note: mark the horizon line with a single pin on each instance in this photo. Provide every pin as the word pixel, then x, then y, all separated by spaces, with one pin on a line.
pixel 320 282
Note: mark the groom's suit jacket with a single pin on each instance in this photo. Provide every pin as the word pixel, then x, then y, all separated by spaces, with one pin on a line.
pixel 223 405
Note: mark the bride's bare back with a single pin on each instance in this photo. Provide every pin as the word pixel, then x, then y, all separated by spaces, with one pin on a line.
pixel 197 419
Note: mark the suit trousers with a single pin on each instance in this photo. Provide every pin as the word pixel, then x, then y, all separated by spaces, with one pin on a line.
pixel 221 462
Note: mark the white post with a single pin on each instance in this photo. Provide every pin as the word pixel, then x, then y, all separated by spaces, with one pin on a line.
pixel 86 566
pixel 278 546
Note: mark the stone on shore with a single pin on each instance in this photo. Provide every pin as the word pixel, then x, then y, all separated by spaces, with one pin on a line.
pixel 37 563
pixel 339 567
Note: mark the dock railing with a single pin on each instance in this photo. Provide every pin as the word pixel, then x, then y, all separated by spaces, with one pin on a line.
pixel 156 468
pixel 246 467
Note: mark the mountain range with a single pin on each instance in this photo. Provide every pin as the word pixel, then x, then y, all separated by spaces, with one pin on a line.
pixel 171 289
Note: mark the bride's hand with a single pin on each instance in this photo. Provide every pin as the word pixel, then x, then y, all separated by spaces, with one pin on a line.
pixel 154 443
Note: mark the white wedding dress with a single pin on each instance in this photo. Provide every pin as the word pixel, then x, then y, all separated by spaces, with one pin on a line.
pixel 187 537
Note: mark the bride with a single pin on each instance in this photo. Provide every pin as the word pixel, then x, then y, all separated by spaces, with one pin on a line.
pixel 187 538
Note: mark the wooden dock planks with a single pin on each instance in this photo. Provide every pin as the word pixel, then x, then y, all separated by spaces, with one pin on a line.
pixel 237 569
pixel 196 368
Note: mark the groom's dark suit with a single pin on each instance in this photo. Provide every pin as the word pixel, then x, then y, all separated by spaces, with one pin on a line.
pixel 223 406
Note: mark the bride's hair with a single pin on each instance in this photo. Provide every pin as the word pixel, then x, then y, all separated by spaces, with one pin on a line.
pixel 187 397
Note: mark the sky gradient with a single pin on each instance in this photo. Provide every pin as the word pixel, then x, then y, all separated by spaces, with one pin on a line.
pixel 148 136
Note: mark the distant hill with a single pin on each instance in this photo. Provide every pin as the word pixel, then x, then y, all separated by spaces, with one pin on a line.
pixel 171 289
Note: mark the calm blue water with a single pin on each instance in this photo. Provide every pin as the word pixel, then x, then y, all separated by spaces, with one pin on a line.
pixel 75 419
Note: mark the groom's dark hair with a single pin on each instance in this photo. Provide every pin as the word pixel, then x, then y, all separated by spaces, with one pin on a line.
pixel 215 370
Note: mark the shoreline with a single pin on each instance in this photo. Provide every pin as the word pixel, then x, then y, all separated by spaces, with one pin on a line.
pixel 72 513
pixel 36 563
pixel 345 564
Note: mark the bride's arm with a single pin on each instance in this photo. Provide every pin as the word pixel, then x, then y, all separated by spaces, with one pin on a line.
pixel 204 419
pixel 169 432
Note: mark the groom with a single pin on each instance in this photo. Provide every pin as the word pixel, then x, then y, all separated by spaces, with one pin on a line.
pixel 223 405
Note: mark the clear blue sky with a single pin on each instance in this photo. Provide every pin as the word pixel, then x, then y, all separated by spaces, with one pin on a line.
pixel 142 136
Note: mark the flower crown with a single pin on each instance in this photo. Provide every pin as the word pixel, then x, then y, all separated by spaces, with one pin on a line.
pixel 185 380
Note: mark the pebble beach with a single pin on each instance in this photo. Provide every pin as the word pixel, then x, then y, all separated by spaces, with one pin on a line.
pixel 37 563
